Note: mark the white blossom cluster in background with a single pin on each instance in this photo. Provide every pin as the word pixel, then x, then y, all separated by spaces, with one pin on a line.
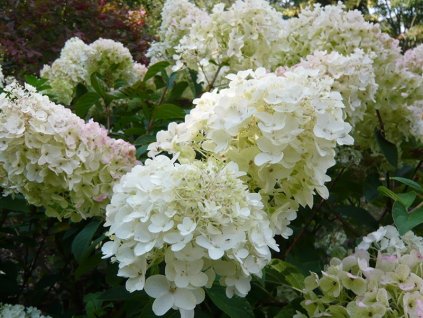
pixel 78 61
pixel 331 28
pixel 413 60
pixel 245 36
pixel 383 278
pixel 178 16
pixel 54 159
pixel 251 34
pixel 353 77
pixel 199 218
pixel 281 130
pixel 19 311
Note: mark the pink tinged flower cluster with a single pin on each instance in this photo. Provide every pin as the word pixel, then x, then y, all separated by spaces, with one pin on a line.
pixel 55 159
pixel 281 130
pixel 199 218
pixel 383 278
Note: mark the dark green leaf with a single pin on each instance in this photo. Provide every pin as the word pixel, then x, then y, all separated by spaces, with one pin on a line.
pixel 177 91
pixel 404 220
pixel 85 102
pixel 159 82
pixel 117 293
pixel 235 307
pixel 171 80
pixel 358 216
pixel 286 312
pixel 140 151
pixel 144 140
pixel 197 88
pixel 370 186
pixel 412 184
pixel 154 69
pixel 82 241
pixel 98 85
pixel 168 111
pixel 289 273
pixel 388 149
pixel 87 265
pixel 16 204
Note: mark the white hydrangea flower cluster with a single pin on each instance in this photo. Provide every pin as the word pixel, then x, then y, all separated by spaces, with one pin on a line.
pixel 383 278
pixel 353 77
pixel 239 38
pixel 19 311
pixel 54 159
pixel 413 60
pixel 416 119
pixel 281 130
pixel 78 61
pixel 199 218
pixel 331 28
pixel 178 16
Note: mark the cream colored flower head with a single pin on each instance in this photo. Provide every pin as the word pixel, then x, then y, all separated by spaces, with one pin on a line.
pixel 199 218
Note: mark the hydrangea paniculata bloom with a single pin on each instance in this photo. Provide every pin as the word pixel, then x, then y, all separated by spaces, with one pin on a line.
pixel 199 218
pixel 413 60
pixel 78 61
pixel 331 28
pixel 383 278
pixel 353 77
pixel 281 130
pixel 19 311
pixel 242 37
pixel 55 159
pixel 178 16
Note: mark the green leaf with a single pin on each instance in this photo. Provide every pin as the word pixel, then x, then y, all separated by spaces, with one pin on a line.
pixel 289 273
pixel 407 199
pixel 388 193
pixel 85 102
pixel 388 149
pixel 144 140
pixel 286 312
pixel 140 151
pixel 14 204
pixel 370 186
pixel 117 293
pixel 93 305
pixel 171 80
pixel 87 265
pixel 82 241
pixel 177 91
pixel 154 69
pixel 412 184
pixel 40 84
pixel 358 216
pixel 168 111
pixel 404 220
pixel 197 88
pixel 235 307
pixel 98 85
